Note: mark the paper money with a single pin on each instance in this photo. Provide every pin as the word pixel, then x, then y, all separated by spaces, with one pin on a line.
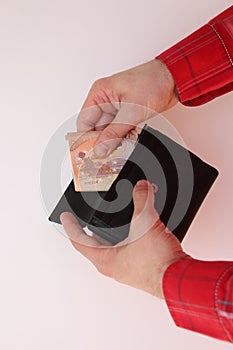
pixel 91 173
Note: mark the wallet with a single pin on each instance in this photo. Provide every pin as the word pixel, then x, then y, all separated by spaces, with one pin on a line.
pixel 183 181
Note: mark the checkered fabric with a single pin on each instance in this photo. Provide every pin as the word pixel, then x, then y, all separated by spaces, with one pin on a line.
pixel 199 294
pixel 202 63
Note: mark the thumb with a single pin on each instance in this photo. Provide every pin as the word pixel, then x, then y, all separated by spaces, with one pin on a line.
pixel 143 197
pixel 144 215
pixel 126 119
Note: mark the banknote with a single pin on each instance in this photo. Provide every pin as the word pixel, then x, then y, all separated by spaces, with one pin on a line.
pixel 91 173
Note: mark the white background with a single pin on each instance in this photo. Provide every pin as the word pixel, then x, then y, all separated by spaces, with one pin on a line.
pixel 51 52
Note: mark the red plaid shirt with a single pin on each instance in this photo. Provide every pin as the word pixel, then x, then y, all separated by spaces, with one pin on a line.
pixel 199 294
pixel 202 63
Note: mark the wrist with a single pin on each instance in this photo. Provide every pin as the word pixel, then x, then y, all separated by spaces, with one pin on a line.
pixel 158 288
pixel 169 83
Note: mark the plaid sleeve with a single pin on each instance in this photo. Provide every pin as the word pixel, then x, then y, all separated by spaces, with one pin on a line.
pixel 202 63
pixel 199 295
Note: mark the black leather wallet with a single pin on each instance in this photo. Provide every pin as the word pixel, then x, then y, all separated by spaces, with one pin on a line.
pixel 183 181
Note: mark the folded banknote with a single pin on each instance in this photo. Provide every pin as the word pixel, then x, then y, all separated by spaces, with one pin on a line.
pixel 91 173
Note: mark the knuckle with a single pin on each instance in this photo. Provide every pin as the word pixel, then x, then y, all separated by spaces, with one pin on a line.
pixel 111 133
pixel 142 191
pixel 98 83
pixel 140 188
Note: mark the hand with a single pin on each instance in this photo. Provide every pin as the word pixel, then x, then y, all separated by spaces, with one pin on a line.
pixel 140 263
pixel 116 99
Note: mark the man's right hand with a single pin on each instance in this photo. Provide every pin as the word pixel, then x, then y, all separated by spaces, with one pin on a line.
pixel 115 101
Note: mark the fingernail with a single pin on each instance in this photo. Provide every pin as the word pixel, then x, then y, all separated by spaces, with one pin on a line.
pixel 101 150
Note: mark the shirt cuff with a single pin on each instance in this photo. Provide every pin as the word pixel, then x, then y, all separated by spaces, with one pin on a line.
pixel 199 296
pixel 202 63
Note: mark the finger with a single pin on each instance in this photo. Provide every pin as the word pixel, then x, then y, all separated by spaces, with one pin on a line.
pixel 96 103
pixel 126 119
pixel 109 107
pixel 105 119
pixel 86 245
pixel 144 215
pixel 75 232
pixel 101 240
pixel 88 117
pixel 96 116
pixel 143 197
